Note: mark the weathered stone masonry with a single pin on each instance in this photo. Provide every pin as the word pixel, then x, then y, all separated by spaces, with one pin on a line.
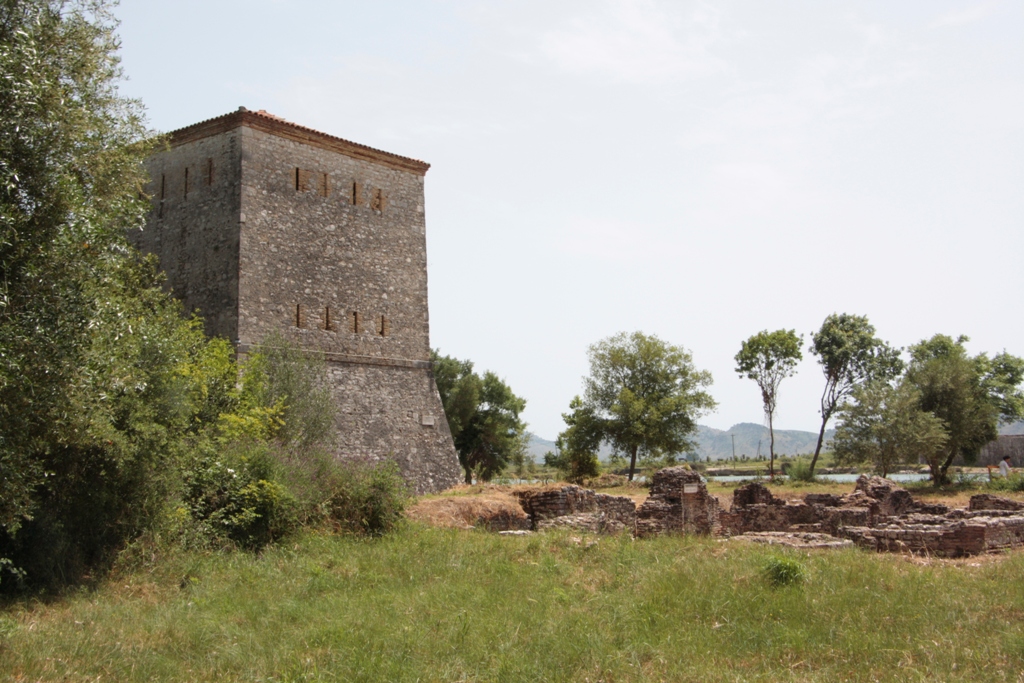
pixel 264 225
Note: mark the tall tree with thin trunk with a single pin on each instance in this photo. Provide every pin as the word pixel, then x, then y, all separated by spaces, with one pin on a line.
pixel 849 354
pixel 768 358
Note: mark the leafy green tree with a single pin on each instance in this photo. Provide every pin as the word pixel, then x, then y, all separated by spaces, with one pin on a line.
pixel 483 416
pixel 969 394
pixel 885 426
pixel 147 385
pixel 102 381
pixel 768 358
pixel 69 185
pixel 577 446
pixel 645 395
pixel 849 354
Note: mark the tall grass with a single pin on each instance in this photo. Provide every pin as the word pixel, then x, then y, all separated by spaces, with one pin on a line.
pixel 432 605
pixel 1015 482
pixel 800 470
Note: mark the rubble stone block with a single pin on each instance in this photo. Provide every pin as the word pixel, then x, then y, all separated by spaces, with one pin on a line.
pixel 892 498
pixel 754 493
pixel 823 499
pixel 609 513
pixel 679 502
pixel 987 501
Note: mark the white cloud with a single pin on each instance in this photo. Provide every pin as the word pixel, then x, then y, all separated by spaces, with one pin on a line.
pixel 638 41
pixel 968 15
pixel 608 239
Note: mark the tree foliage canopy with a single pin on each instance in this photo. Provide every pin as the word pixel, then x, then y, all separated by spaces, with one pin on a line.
pixel 483 415
pixel 969 394
pixel 116 412
pixel 849 354
pixel 885 426
pixel 947 404
pixel 88 342
pixel 645 394
pixel 768 358
pixel 577 446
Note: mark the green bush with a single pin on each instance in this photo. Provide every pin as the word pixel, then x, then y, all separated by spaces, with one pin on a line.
pixel 800 471
pixel 1015 482
pixel 280 374
pixel 783 571
pixel 368 499
pixel 234 493
pixel 355 496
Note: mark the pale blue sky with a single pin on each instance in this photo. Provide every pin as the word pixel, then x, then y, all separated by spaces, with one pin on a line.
pixel 698 171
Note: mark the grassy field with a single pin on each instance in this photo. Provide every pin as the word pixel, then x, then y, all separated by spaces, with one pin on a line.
pixel 427 604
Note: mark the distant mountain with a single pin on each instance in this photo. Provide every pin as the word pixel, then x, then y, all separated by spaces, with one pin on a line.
pixel 751 439
pixel 1013 428
pixel 538 447
pixel 718 444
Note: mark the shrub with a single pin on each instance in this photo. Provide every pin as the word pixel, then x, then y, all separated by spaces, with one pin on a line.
pixel 369 499
pixel 280 375
pixel 606 481
pixel 783 571
pixel 800 471
pixel 234 493
pixel 356 496
pixel 1015 482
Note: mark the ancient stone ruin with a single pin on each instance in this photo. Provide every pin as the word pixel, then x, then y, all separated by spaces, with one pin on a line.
pixel 578 508
pixel 679 502
pixel 878 515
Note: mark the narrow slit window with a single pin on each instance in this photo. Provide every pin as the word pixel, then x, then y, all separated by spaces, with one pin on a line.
pixel 163 194
pixel 355 322
pixel 385 326
pixel 357 193
pixel 298 315
pixel 186 182
pixel 323 185
pixel 304 180
pixel 327 318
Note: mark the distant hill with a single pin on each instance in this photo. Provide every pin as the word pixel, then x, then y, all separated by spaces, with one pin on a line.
pixel 538 447
pixel 1013 428
pixel 717 443
pixel 752 438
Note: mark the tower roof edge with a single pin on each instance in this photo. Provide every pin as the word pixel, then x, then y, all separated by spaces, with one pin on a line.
pixel 275 125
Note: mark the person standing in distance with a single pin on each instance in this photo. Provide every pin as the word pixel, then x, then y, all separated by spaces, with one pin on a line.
pixel 1004 466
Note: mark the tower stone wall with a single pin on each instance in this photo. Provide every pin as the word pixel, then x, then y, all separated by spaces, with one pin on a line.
pixel 263 225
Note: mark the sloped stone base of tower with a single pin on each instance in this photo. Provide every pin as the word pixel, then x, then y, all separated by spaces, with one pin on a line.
pixel 394 413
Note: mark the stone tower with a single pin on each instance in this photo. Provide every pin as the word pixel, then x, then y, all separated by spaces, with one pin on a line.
pixel 261 225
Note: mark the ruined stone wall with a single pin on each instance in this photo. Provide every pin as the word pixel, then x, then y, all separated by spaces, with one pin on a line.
pixel 679 503
pixel 578 508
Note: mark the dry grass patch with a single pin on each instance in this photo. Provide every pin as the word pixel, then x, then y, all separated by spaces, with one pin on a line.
pixel 467 509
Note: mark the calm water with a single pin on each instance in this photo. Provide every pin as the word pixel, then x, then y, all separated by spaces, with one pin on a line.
pixel 842 478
